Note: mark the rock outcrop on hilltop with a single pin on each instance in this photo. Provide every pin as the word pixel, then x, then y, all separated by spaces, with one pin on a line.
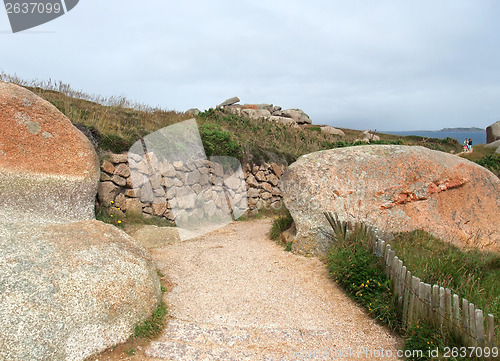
pixel 265 111
pixel 393 188
pixel 493 132
pixel 70 286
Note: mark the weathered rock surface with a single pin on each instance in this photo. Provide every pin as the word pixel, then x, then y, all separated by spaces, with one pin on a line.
pixel 48 168
pixel 494 145
pixel 493 132
pixel 331 130
pixel 255 113
pixel 229 101
pixel 297 115
pixel 69 291
pixel 156 237
pixel 393 188
pixel 193 112
pixel 282 120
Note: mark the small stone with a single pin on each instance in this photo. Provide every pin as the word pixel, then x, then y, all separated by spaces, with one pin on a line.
pixel 252 182
pixel 108 167
pixel 119 180
pixel 260 176
pixel 158 209
pixel 107 192
pixel 133 193
pixel 133 205
pixel 105 177
pixel 122 170
pixel 277 170
pixel 118 158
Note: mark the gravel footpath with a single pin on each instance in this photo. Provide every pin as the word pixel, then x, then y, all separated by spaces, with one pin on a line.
pixel 239 296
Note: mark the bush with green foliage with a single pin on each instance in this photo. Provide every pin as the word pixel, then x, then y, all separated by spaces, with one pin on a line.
pixel 218 142
pixel 491 162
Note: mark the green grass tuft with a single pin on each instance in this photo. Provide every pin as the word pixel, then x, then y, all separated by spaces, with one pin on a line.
pixel 472 274
pixel 280 224
pixel 153 326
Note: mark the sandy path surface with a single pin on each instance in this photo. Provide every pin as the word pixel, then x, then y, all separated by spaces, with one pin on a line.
pixel 237 295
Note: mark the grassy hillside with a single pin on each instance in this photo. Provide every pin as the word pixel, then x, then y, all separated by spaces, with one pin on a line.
pixel 485 157
pixel 117 124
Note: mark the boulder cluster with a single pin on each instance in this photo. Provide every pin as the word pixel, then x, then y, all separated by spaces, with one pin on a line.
pixel 70 286
pixel 291 117
pixel 265 111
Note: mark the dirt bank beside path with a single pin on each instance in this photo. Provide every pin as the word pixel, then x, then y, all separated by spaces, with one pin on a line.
pixel 237 295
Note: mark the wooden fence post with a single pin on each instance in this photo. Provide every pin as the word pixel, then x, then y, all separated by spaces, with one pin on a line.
pixel 415 281
pixel 491 331
pixel 435 304
pixel 421 302
pixel 402 284
pixel 472 324
pixel 428 301
pixel 466 322
pixel 407 296
pixel 456 312
pixel 480 328
pixel 447 305
pixel 442 307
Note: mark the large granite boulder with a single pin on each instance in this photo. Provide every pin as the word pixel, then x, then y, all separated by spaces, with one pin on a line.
pixel 495 145
pixel 256 113
pixel 493 132
pixel 70 286
pixel 69 291
pixel 297 115
pixel 331 130
pixel 393 188
pixel 48 169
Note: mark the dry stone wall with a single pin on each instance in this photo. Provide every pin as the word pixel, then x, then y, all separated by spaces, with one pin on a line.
pixel 138 187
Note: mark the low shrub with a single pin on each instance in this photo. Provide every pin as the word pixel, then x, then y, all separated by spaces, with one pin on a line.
pixel 491 162
pixel 280 224
pixel 219 142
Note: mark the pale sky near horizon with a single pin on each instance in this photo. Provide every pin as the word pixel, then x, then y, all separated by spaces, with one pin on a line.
pixel 362 64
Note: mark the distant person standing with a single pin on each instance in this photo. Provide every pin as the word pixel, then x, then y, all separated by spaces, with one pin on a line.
pixel 466 145
pixel 470 144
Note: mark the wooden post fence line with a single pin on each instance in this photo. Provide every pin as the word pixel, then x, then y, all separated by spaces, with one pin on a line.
pixel 435 304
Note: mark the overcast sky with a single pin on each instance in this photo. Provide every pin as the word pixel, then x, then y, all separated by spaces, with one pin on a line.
pixel 386 65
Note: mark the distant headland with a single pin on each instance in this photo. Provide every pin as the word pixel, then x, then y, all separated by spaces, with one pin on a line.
pixel 472 129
